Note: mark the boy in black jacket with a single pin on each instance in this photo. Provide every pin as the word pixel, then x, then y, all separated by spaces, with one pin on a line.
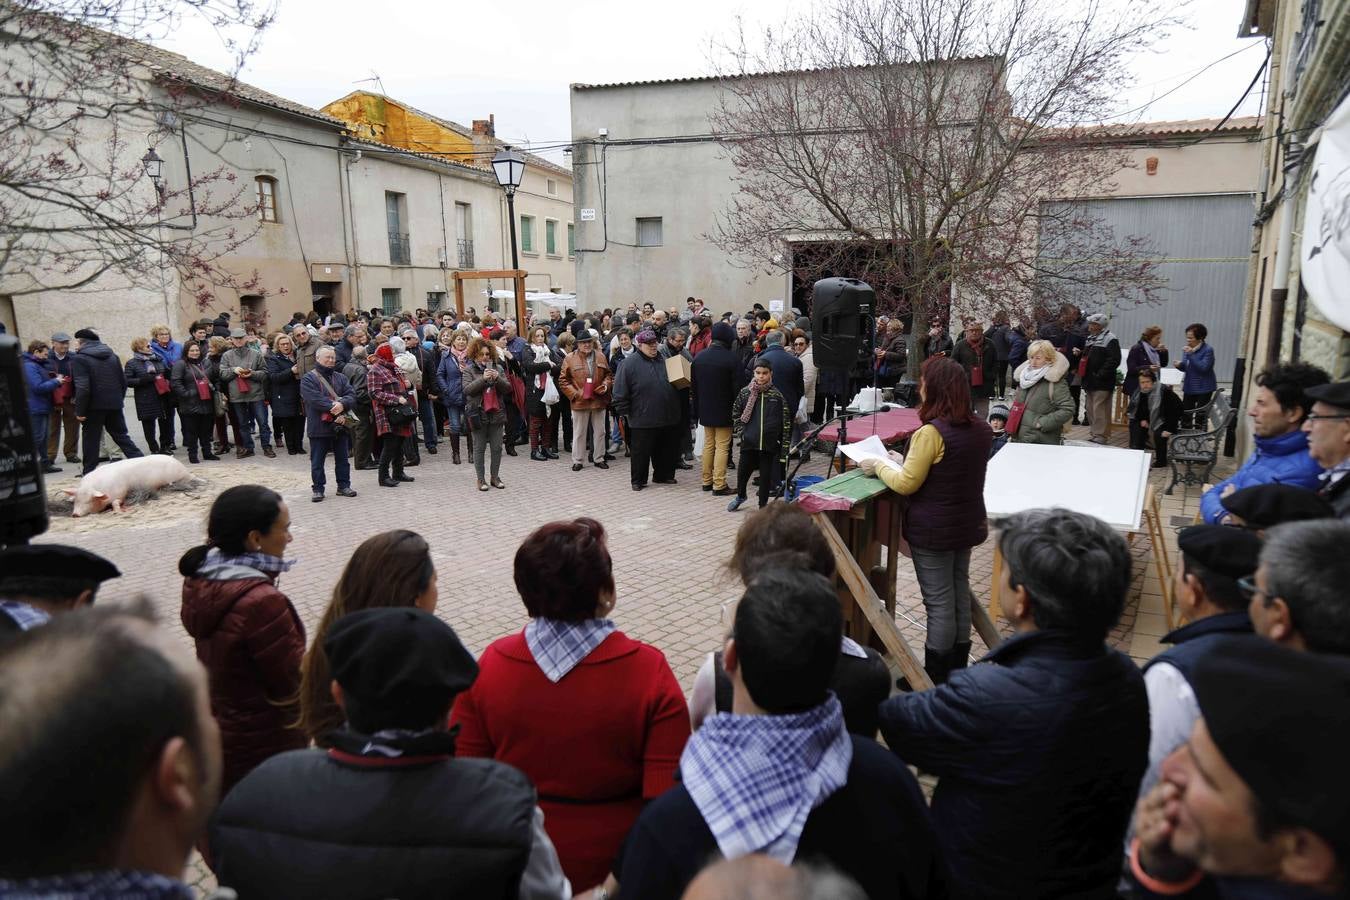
pixel 763 426
pixel 1155 410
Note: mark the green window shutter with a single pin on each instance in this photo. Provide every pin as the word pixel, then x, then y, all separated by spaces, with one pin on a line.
pixel 527 234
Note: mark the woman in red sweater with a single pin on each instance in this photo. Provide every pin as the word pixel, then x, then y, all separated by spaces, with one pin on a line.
pixel 594 718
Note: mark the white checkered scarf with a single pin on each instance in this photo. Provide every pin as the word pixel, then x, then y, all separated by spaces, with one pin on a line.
pixel 558 647
pixel 755 779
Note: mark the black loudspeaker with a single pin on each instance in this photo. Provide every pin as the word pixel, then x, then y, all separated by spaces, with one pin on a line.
pixel 841 319
pixel 23 494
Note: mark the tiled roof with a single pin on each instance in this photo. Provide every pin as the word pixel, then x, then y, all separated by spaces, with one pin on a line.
pixel 1178 127
pixel 175 67
pixel 530 158
pixel 576 86
pixel 372 144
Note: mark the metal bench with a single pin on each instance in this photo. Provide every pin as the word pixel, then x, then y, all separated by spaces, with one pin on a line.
pixel 1193 454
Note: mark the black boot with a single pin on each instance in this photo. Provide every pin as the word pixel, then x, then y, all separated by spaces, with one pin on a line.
pixel 385 480
pixel 398 471
pixel 938 664
pixel 511 450
pixel 960 656
pixel 538 455
pixel 454 449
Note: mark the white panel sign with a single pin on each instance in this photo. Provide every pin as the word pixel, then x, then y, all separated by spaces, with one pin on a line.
pixel 1106 482
pixel 588 215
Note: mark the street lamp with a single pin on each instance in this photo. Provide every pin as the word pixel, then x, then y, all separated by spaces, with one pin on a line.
pixel 154 167
pixel 509 167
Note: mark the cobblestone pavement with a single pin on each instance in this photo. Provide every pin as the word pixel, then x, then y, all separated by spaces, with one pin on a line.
pixel 669 543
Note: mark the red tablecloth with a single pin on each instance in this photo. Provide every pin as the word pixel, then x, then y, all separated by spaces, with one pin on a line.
pixel 892 427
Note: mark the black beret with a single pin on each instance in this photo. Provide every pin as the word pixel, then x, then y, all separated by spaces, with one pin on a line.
pixel 1278 717
pixel 1336 394
pixel 397 657
pixel 1221 549
pixel 1268 505
pixel 86 334
pixel 54 561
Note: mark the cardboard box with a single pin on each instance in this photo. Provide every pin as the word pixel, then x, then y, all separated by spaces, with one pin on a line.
pixel 677 370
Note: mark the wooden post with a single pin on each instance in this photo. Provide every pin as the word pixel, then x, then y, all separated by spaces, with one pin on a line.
pixel 520 302
pixel 872 607
pixel 459 297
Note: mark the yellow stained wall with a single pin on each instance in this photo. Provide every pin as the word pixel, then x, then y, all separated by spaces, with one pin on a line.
pixel 381 119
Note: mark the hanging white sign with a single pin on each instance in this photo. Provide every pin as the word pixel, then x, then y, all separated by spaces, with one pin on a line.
pixel 1326 226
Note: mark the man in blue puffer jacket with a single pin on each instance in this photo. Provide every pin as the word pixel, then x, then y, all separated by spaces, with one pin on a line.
pixel 1278 409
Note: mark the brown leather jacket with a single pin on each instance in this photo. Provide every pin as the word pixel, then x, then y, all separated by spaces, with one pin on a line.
pixel 572 380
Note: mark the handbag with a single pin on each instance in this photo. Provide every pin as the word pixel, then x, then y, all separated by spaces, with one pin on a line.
pixel 347 418
pixel 242 385
pixel 491 403
pixel 1015 414
pixel 203 386
pixel 64 391
pixel 162 385
pixel 400 414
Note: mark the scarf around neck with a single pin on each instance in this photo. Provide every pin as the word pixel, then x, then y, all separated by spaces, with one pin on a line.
pixel 1027 380
pixel 1102 338
pixel 755 391
pixel 263 562
pixel 756 779
pixel 559 647
pixel 1151 353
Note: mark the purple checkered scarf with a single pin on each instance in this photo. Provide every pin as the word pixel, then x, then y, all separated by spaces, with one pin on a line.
pixel 557 647
pixel 755 779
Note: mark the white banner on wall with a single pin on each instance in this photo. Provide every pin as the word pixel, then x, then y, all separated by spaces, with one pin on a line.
pixel 1326 225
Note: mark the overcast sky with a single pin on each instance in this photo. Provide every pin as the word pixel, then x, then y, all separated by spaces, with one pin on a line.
pixel 516 59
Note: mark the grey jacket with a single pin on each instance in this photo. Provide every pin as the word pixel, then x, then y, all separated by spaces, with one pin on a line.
pixel 243 358
pixel 355 373
pixel 1049 405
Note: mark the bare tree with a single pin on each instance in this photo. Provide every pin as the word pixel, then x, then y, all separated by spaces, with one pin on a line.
pixel 80 96
pixel 919 144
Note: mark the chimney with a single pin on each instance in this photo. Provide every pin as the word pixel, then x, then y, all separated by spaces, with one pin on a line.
pixel 486 127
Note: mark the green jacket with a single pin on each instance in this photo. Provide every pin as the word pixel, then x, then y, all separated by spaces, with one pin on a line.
pixel 1049 405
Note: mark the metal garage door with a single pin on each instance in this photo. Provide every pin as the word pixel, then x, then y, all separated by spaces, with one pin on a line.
pixel 1204 243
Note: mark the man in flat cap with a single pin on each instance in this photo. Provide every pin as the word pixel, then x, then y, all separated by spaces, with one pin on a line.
pixel 38 581
pixel 1263 506
pixel 644 394
pixel 1298 595
pixel 1328 429
pixel 1257 801
pixel 1205 585
pixel 388 811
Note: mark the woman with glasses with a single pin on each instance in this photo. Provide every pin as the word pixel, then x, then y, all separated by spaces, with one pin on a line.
pixel 801 348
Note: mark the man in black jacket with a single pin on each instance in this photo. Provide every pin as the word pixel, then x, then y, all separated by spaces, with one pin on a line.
pixel 1039 749
pixel 674 345
pixel 355 373
pixel 780 775
pixel 787 371
pixel 645 396
pixel 713 390
pixel 100 390
pixel 388 811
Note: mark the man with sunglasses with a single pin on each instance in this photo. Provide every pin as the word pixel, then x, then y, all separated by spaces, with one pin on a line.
pixel 1328 429
pixel 1297 596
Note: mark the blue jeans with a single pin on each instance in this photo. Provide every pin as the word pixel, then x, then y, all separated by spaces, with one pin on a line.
pixel 40 436
pixel 428 415
pixel 319 448
pixel 454 416
pixel 250 412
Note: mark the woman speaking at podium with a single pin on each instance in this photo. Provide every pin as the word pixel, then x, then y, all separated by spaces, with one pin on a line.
pixel 943 476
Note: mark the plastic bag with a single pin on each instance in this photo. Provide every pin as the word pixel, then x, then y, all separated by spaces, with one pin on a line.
pixel 698 443
pixel 550 392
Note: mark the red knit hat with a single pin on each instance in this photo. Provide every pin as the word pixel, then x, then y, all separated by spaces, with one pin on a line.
pixel 385 352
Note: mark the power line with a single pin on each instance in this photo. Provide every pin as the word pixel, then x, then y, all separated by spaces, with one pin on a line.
pixel 1180 86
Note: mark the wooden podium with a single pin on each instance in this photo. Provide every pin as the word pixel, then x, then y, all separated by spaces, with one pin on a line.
pixel 861 519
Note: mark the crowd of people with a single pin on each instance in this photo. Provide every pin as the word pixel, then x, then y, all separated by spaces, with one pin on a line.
pixel 377 757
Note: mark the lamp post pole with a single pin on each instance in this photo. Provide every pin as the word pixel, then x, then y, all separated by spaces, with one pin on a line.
pixel 511 214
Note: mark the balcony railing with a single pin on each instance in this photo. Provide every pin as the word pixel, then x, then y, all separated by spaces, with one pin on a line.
pixel 399 252
pixel 465 254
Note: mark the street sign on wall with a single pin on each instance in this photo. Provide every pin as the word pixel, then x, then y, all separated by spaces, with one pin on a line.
pixel 588 215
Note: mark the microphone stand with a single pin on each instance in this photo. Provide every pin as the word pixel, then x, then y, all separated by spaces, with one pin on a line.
pixel 809 439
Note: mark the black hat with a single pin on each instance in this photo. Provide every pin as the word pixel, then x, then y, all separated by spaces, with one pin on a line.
pixel 1268 505
pixel 86 334
pixel 398 658
pixel 724 333
pixel 580 331
pixel 54 561
pixel 1220 549
pixel 1278 717
pixel 1335 394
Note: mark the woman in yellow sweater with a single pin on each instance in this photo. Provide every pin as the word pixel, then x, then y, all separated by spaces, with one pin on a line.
pixel 943 477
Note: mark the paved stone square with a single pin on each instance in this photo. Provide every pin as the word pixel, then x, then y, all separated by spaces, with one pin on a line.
pixel 670 545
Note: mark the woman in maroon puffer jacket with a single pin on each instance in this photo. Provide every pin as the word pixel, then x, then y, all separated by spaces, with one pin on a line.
pixel 248 635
